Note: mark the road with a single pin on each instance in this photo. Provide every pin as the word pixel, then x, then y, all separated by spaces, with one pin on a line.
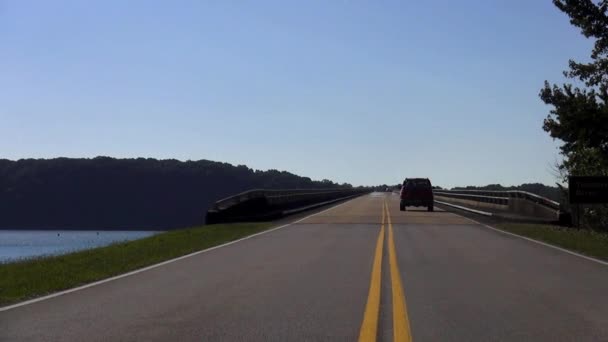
pixel 339 275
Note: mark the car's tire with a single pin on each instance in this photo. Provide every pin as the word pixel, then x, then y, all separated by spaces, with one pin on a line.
pixel 401 207
pixel 430 208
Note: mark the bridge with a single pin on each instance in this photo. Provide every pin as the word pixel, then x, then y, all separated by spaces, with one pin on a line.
pixel 354 269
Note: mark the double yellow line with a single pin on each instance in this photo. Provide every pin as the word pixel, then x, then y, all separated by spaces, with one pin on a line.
pixel 401 323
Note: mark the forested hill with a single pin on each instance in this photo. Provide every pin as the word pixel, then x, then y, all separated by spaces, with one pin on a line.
pixel 109 193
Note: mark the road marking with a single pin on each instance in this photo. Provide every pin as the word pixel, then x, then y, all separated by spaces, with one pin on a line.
pixel 602 262
pixel 369 327
pixel 401 322
pixel 61 293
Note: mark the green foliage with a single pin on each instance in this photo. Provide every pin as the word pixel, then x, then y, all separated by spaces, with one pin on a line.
pixel 579 116
pixel 592 20
pixel 579 119
pixel 40 276
pixel 586 161
pixel 587 242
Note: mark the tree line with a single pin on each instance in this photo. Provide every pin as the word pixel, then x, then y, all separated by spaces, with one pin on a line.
pixel 109 193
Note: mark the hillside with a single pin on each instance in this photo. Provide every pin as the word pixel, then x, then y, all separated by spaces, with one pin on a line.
pixel 109 193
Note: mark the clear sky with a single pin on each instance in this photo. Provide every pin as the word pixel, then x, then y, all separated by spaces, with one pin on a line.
pixel 361 91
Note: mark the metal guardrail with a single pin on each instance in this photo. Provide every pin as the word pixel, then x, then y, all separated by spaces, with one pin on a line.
pixel 499 197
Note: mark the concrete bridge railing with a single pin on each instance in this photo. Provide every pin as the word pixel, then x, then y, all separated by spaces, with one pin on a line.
pixel 520 203
pixel 260 204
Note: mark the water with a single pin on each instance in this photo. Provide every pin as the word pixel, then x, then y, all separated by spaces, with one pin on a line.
pixel 21 244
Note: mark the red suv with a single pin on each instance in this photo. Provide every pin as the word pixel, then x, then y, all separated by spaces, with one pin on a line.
pixel 416 192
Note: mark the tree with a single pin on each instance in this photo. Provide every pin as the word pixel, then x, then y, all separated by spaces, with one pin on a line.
pixel 579 116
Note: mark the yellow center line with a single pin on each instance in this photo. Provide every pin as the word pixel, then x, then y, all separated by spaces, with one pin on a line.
pixel 369 327
pixel 401 322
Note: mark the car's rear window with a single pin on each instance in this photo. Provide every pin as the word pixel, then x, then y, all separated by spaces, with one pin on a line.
pixel 418 183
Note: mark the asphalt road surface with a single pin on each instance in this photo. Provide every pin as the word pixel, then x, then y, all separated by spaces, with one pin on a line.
pixel 360 270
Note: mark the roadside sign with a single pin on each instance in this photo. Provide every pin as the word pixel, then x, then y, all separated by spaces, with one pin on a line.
pixel 588 189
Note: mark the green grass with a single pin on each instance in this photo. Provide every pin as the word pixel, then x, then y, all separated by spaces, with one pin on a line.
pixel 35 277
pixel 583 241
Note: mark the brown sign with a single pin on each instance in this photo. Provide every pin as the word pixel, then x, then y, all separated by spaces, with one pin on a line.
pixel 588 189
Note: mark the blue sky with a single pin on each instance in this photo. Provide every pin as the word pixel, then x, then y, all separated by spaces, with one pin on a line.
pixel 359 91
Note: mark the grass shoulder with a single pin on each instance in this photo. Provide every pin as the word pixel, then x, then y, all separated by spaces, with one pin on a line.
pixel 40 276
pixel 587 242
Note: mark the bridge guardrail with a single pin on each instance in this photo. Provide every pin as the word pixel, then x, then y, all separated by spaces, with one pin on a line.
pixel 518 202
pixel 475 197
pixel 260 204
pixel 276 194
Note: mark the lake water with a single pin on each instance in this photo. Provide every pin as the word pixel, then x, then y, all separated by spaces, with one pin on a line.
pixel 20 244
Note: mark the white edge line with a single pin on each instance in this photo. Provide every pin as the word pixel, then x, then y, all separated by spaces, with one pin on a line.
pixel 106 280
pixel 465 208
pixel 602 262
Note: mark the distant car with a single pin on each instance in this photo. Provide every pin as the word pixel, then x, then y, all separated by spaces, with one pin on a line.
pixel 416 192
pixel 387 190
